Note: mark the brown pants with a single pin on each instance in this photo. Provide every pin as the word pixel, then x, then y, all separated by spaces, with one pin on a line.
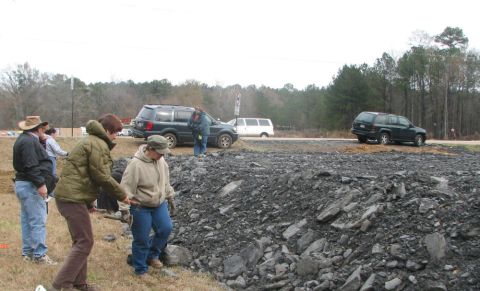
pixel 74 269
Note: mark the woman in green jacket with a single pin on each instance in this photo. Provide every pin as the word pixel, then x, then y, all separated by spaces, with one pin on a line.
pixel 87 168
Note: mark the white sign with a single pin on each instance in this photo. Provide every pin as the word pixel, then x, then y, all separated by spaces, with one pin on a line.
pixel 237 105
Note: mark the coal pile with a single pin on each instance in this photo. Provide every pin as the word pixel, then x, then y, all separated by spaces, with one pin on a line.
pixel 331 221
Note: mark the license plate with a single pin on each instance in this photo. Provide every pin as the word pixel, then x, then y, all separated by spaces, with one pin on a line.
pixel 362 125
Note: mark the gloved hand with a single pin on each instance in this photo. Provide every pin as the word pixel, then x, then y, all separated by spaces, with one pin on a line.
pixel 199 136
pixel 171 206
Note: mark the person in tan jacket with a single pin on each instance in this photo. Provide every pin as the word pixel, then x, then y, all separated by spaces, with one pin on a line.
pixel 147 183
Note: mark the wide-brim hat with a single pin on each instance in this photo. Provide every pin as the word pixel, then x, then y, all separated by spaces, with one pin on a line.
pixel 31 122
pixel 159 144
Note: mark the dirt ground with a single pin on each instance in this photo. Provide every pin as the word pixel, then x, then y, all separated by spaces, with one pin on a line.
pixel 13 270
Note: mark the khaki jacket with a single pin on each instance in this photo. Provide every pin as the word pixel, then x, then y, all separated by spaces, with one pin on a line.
pixel 146 180
pixel 88 167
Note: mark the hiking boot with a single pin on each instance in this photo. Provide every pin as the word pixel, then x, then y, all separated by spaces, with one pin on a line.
pixel 46 260
pixel 86 287
pixel 155 263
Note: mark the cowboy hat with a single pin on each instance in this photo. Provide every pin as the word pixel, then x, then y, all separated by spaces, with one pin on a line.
pixel 31 122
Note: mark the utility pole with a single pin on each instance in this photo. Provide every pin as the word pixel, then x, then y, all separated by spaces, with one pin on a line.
pixel 445 113
pixel 71 89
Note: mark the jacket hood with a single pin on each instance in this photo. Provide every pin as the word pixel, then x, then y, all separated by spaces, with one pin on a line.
pixel 94 127
pixel 140 154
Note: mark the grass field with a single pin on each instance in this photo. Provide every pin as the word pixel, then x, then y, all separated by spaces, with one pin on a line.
pixel 107 263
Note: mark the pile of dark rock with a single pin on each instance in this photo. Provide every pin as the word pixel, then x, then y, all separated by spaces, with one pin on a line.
pixel 330 221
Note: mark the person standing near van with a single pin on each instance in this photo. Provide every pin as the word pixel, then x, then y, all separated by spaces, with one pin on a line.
pixel 200 126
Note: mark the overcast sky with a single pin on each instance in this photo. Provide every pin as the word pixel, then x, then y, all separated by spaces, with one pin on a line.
pixel 261 42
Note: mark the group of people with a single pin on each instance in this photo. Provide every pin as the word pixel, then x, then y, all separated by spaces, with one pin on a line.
pixel 145 195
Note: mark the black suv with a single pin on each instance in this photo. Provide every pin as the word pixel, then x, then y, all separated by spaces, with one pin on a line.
pixel 171 121
pixel 385 128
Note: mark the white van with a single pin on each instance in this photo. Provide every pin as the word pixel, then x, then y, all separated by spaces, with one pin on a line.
pixel 262 127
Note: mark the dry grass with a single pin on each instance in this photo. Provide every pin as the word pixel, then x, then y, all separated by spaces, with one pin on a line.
pixel 107 263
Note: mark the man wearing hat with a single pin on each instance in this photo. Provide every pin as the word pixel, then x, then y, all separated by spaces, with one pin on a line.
pixel 33 170
pixel 147 183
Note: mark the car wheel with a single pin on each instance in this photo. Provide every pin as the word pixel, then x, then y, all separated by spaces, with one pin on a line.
pixel 264 135
pixel 172 140
pixel 384 138
pixel 418 140
pixel 224 141
pixel 361 139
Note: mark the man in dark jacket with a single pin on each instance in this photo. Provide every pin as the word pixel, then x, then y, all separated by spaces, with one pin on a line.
pixel 200 126
pixel 33 179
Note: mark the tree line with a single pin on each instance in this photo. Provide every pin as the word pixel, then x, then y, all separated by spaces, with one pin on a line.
pixel 435 84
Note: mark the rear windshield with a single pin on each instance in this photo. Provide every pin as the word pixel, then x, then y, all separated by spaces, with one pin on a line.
pixel 146 113
pixel 365 117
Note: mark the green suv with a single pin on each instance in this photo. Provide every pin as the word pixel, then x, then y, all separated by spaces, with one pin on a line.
pixel 386 128
pixel 171 121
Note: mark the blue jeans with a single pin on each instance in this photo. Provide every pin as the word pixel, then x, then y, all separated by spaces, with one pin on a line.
pixel 143 248
pixel 33 219
pixel 200 146
pixel 54 172
pixel 54 165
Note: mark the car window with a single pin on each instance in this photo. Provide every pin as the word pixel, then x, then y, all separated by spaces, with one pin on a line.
pixel 365 117
pixel 146 113
pixel 381 119
pixel 182 115
pixel 251 122
pixel 264 122
pixel 163 115
pixel 403 121
pixel 240 122
pixel 392 120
